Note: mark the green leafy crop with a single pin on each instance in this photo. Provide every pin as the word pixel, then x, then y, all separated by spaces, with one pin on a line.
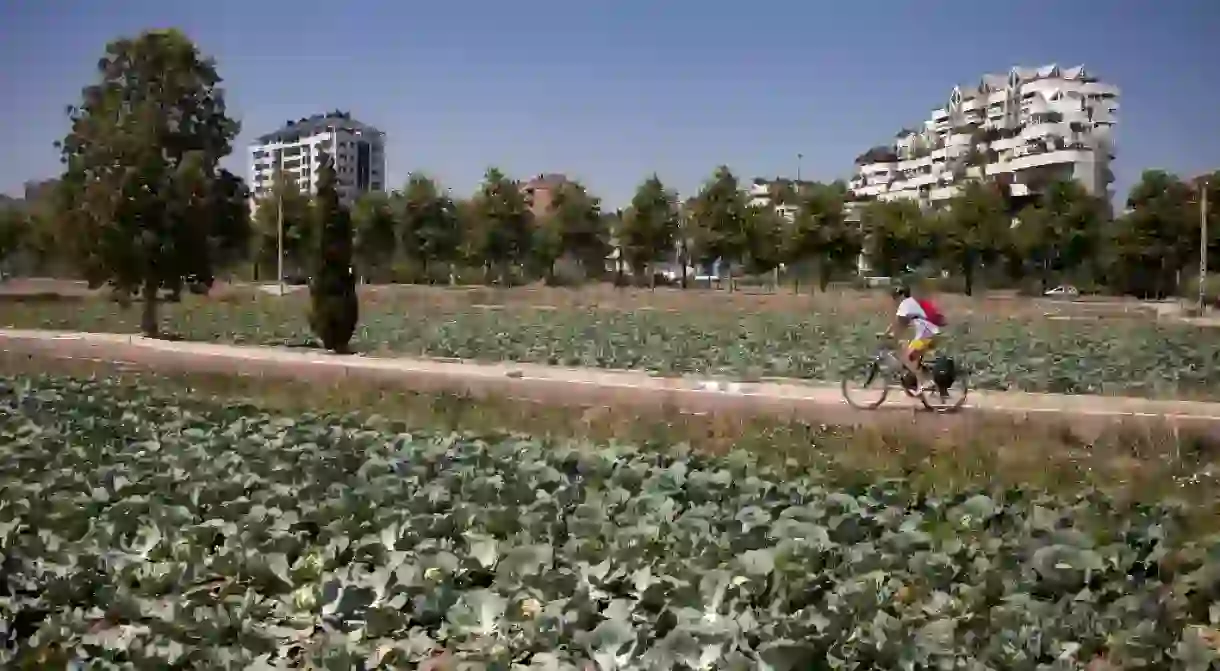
pixel 153 532
pixel 1099 357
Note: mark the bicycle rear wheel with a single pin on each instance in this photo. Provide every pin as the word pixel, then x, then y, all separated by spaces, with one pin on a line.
pixel 951 399
pixel 866 387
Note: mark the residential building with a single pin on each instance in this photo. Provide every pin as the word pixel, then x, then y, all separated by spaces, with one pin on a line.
pixel 779 193
pixel 36 190
pixel 540 191
pixel 357 148
pixel 1023 128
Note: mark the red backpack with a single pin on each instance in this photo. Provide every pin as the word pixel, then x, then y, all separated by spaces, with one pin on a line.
pixel 934 315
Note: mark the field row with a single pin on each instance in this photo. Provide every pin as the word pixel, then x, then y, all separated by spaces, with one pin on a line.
pixel 143 530
pixel 1129 357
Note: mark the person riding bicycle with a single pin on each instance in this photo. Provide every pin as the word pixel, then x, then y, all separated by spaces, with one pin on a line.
pixel 925 322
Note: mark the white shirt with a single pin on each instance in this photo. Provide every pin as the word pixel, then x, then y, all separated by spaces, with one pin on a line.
pixel 910 308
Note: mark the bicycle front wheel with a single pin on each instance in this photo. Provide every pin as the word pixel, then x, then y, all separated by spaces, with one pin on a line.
pixel 866 386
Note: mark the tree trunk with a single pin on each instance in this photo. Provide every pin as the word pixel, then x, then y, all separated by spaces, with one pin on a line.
pixel 652 276
pixel 684 261
pixel 823 275
pixel 968 276
pixel 148 311
pixel 452 274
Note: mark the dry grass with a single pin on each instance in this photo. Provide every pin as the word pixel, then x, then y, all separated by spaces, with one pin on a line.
pixel 1138 461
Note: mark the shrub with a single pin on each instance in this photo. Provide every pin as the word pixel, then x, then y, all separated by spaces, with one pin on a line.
pixel 335 308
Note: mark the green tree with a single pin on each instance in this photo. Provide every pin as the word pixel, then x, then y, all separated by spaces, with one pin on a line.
pixel 233 229
pixel 685 242
pixel 973 230
pixel 335 308
pixel 505 223
pixel 612 222
pixel 140 159
pixel 719 221
pixel 473 234
pixel 376 226
pixel 897 236
pixel 649 227
pixel 1211 182
pixel 571 227
pixel 819 232
pixel 213 213
pixel 764 239
pixel 285 199
pixel 430 226
pixel 14 227
pixel 39 241
pixel 1061 231
pixel 1156 239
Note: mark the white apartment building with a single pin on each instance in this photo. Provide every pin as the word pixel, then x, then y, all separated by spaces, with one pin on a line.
pixel 358 150
pixel 1025 128
pixel 763 192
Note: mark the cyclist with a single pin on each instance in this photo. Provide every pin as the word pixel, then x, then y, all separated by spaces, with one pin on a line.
pixel 925 322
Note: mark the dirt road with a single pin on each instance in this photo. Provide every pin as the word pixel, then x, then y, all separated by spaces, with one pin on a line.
pixel 585 387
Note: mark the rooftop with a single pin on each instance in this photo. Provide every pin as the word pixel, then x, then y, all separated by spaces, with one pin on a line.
pixel 546 180
pixel 1021 75
pixel 318 123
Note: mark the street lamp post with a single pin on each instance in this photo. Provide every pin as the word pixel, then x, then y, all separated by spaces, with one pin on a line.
pixel 799 160
pixel 279 239
pixel 279 219
pixel 1203 187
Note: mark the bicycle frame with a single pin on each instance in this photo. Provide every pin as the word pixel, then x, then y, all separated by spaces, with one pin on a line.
pixel 887 360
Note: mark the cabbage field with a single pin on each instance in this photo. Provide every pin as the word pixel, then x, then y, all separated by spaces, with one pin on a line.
pixel 1127 357
pixel 140 530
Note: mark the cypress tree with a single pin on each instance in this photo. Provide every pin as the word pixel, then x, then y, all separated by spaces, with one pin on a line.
pixel 334 306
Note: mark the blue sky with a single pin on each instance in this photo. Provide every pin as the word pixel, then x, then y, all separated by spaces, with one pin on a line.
pixel 609 92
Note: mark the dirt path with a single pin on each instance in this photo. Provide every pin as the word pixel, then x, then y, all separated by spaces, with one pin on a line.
pixel 584 387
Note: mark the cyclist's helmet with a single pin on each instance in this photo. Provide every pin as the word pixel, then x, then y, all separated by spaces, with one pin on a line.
pixel 902 291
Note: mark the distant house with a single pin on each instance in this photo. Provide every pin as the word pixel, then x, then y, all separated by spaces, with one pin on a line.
pixel 540 191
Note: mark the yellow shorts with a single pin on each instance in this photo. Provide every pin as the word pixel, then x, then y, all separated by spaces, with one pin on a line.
pixel 921 345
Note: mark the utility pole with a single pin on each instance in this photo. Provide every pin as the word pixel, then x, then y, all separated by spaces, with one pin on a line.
pixel 1203 186
pixel 279 237
pixel 799 159
pixel 278 184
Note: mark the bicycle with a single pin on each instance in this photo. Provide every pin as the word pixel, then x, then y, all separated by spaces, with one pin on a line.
pixel 886 367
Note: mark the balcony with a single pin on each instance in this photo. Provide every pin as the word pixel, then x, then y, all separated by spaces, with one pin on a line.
pixel 959 140
pixel 943 193
pixel 872 190
pixel 1041 158
pixel 1044 129
pixel 1104 90
pixel 878 170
